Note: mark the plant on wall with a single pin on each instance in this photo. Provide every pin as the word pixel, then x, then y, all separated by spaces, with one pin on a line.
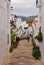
pixel 35 50
pixel 13 36
pixel 13 41
pixel 39 37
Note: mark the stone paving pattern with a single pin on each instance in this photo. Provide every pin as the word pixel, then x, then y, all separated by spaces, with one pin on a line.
pixel 22 55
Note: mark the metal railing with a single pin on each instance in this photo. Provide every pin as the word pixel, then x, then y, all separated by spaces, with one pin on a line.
pixel 36 2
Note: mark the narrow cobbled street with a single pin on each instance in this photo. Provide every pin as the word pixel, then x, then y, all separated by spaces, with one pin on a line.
pixel 22 55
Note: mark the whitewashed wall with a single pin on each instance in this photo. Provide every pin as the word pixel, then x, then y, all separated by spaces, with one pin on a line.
pixel 41 20
pixel 4 29
pixel 36 28
pixel 42 28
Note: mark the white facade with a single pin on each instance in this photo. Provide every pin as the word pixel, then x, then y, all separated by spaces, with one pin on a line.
pixel 4 29
pixel 23 28
pixel 20 23
pixel 12 16
pixel 40 5
pixel 36 26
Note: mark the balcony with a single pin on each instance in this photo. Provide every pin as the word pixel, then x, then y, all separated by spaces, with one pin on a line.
pixel 8 0
pixel 38 3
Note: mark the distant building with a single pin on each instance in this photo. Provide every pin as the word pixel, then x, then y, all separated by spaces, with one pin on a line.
pixel 4 29
pixel 20 23
pixel 36 26
pixel 22 27
pixel 40 5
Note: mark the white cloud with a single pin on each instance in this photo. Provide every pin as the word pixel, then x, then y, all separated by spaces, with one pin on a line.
pixel 25 3
pixel 26 11
pixel 24 7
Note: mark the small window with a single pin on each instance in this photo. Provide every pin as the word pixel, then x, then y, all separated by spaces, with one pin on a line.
pixel 40 18
pixel 8 38
pixel 36 2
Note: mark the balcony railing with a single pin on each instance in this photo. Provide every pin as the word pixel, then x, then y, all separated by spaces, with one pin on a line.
pixel 38 3
pixel 8 0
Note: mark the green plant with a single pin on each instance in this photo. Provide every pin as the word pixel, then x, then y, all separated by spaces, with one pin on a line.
pixel 13 36
pixel 33 42
pixel 14 45
pixel 35 50
pixel 10 49
pixel 39 37
pixel 13 41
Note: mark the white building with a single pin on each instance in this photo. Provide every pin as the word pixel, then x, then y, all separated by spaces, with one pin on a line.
pixel 36 26
pixel 4 29
pixel 40 5
pixel 12 16
pixel 20 23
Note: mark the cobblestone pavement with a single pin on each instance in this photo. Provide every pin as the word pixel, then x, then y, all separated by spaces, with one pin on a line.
pixel 22 55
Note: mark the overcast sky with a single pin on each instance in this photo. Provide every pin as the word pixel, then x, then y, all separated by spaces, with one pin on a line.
pixel 24 7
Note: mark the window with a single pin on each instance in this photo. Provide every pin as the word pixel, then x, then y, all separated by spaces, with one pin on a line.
pixel 9 0
pixel 36 2
pixel 8 38
pixel 40 18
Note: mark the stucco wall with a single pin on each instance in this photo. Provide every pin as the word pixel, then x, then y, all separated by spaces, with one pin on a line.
pixel 42 28
pixel 41 20
pixel 4 30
